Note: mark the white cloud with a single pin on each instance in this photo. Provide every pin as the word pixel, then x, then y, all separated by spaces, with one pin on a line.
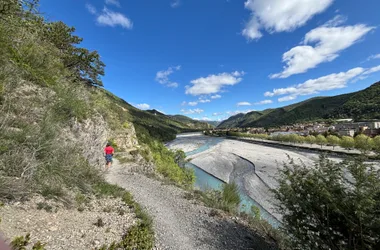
pixel 191 111
pixel 113 2
pixel 243 104
pixel 213 84
pixel 326 43
pixel 336 21
pixel 183 103
pixel 264 102
pixel 204 100
pixel 91 8
pixel 193 103
pixel 175 3
pixel 372 70
pixel 163 76
pixel 280 15
pixel 143 106
pixel 217 114
pixel 287 98
pixel 111 18
pixel 204 118
pixel 216 96
pixel 373 57
pixel 324 83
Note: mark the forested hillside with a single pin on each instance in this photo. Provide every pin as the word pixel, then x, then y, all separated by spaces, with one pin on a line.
pixel 364 104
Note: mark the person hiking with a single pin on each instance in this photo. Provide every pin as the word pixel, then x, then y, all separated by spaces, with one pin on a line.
pixel 108 153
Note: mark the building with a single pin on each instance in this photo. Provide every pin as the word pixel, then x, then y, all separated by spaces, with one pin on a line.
pixel 370 128
pixel 346 132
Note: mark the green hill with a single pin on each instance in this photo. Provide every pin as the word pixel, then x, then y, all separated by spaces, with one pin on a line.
pixel 364 104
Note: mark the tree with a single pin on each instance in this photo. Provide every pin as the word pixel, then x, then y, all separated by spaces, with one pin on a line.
pixel 331 205
pixel 347 142
pixel 376 143
pixel 333 140
pixel 321 140
pixel 84 64
pixel 363 143
pixel 310 139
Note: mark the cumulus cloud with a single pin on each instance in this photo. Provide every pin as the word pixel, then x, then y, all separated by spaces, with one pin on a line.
pixel 373 57
pixel 163 76
pixel 113 2
pixel 91 9
pixel 264 102
pixel 175 3
pixel 280 15
pixel 286 98
pixel 193 103
pixel 243 104
pixel 217 114
pixel 320 45
pixel 324 83
pixel 111 18
pixel 213 84
pixel 143 106
pixel 191 111
pixel 216 96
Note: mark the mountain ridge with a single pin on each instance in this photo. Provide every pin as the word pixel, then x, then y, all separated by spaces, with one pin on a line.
pixel 363 104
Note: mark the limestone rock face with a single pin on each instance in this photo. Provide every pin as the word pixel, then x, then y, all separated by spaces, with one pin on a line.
pixel 91 136
pixel 125 138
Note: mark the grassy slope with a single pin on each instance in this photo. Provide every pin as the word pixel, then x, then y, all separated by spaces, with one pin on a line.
pixel 160 126
pixel 363 104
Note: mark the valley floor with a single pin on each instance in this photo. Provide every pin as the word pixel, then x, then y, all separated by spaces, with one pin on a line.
pixel 179 223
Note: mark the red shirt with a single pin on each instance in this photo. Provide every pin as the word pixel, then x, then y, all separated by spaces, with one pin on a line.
pixel 108 150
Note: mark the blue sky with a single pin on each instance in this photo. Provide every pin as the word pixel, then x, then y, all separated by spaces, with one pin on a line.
pixel 210 59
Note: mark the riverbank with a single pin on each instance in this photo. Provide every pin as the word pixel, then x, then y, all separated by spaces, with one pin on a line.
pixel 226 161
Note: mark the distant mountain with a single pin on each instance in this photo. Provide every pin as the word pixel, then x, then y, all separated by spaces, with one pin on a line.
pixel 361 105
pixel 213 123
pixel 190 123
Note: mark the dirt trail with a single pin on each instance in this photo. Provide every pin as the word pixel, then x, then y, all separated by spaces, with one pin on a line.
pixel 180 223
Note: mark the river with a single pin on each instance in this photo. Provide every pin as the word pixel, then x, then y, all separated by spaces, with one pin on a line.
pixel 194 144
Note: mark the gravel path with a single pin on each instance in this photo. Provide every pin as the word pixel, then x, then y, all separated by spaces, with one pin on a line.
pixel 180 223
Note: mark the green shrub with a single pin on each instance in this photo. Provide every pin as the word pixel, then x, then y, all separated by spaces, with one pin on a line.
pixel 20 243
pixel 230 195
pixel 331 205
pixel 138 237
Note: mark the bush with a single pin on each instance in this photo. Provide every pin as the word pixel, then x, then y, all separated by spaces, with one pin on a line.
pixel 330 205
pixel 230 195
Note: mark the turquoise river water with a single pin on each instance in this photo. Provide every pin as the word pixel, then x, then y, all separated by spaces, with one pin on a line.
pixel 205 181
